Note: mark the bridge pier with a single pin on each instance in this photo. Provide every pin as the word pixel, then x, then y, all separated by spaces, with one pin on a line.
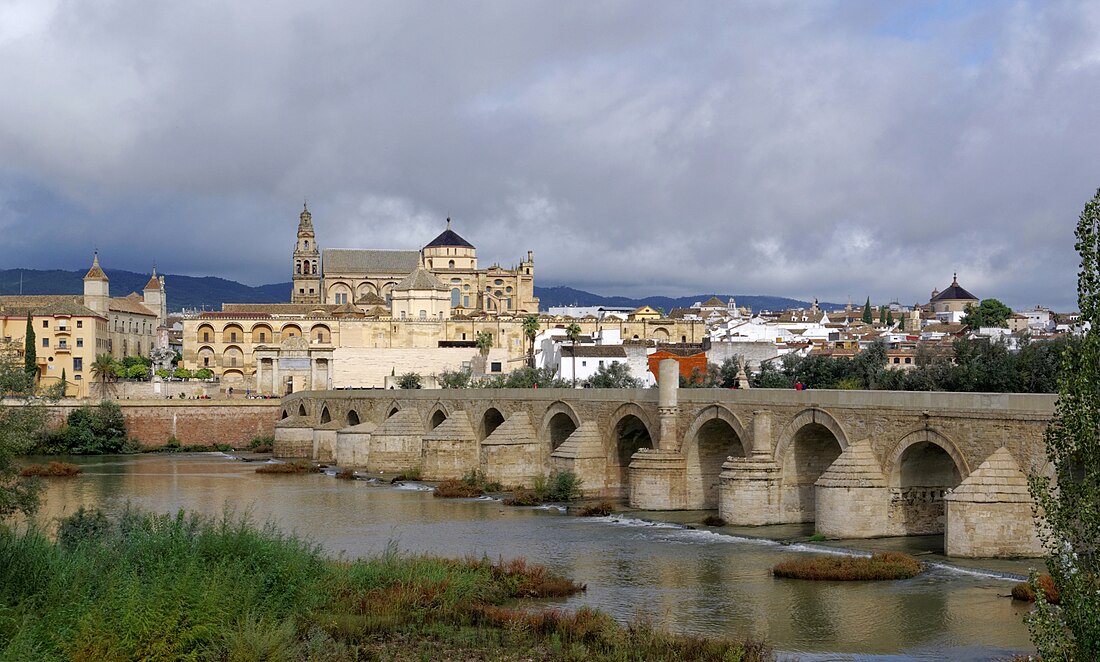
pixel 353 445
pixel 852 497
pixel 583 454
pixel 512 455
pixel 750 488
pixel 450 450
pixel 658 480
pixel 989 514
pixel 293 438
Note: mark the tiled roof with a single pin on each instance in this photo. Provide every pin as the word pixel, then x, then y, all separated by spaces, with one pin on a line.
pixel 370 299
pixel 449 238
pixel 954 293
pixel 21 306
pixel 594 351
pixel 95 273
pixel 420 279
pixel 129 304
pixel 323 309
pixel 713 302
pixel 356 261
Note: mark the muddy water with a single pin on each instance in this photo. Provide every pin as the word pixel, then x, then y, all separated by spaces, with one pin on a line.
pixel 695 581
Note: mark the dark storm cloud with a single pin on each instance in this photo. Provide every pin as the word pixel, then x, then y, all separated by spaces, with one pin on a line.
pixel 803 149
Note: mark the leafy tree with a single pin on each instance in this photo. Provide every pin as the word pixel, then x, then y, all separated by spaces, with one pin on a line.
pixel 182 373
pixel 163 373
pixel 990 312
pixel 1070 524
pixel 882 314
pixel 14 379
pixel 409 380
pixel 454 379
pixel 890 317
pixel 867 318
pixel 727 373
pixel 530 330
pixel 770 376
pixel 118 369
pixel 137 371
pixel 613 374
pixel 103 372
pixel 573 333
pixel 89 431
pixel 202 373
pixel 484 342
pixel 22 424
pixel 30 351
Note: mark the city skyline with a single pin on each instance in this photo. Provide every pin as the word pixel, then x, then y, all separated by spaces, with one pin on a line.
pixel 826 150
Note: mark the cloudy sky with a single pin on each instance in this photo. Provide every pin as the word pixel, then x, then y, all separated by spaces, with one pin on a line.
pixel 827 149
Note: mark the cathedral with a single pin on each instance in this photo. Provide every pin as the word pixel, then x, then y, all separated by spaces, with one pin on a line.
pixel 442 278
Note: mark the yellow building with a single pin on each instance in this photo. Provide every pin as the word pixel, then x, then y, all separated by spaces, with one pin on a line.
pixel 67 338
pixel 368 277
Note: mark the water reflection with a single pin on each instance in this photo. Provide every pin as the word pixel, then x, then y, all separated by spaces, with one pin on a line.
pixel 692 581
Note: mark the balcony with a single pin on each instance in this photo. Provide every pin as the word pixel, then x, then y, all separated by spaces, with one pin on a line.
pixel 62 330
pixel 62 348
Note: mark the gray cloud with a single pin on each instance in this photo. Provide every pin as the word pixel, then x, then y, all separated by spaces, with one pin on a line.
pixel 802 149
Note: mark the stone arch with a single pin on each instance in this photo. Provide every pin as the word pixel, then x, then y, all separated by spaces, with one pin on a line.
pixel 232 377
pixel 233 333
pixel 320 333
pixel 262 333
pixel 208 330
pixel 339 287
pixel 290 331
pixel 302 411
pixel 491 419
pixel 631 430
pixel 437 415
pixel 922 468
pixel 206 357
pixel 283 415
pixel 558 422
pixel 811 442
pixel 393 408
pixel 660 335
pixel 715 434
pixel 352 418
pixel 232 357
pixel 326 416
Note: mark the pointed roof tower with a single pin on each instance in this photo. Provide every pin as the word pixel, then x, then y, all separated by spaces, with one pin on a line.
pixel 154 282
pixel 95 273
pixel 305 219
pixel 449 238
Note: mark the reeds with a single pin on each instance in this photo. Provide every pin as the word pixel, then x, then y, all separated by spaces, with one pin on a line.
pixel 293 467
pixel 144 586
pixel 1023 591
pixel 51 470
pixel 888 565
pixel 457 489
pixel 601 509
pixel 346 474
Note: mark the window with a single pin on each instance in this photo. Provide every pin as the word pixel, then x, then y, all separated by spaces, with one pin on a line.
pixel 450 264
pixel 311 291
pixel 206 336
pixel 601 364
pixel 341 297
pixel 897 360
pixel 584 363
pixel 301 290
pixel 77 377
pixel 45 324
pixel 908 360
pixel 78 364
pixel 423 314
pixel 307 244
pixel 456 297
pixel 80 324
pixel 494 366
pixel 45 342
pixel 402 314
pixel 263 337
pixel 465 302
pixel 233 337
pixel 205 361
pixel 79 342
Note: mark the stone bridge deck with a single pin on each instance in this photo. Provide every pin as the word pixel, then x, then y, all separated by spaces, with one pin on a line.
pixel 858 463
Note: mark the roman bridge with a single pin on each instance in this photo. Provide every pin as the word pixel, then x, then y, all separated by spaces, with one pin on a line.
pixel 857 463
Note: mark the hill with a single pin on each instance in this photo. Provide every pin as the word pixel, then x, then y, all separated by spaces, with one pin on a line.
pixel 209 292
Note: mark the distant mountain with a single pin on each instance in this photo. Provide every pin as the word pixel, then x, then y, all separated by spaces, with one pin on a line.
pixel 567 296
pixel 183 291
pixel 209 292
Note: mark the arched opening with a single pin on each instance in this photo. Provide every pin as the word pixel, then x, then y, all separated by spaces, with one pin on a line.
pixel 714 442
pixel 561 425
pixel 284 414
pixel 205 333
pixel 393 410
pixel 233 333
pixel 812 449
pixel 490 422
pixel 437 418
pixel 630 434
pixel 320 333
pixel 325 416
pixel 922 476
pixel 291 331
pixel 232 357
pixel 302 410
pixel 353 418
pixel 261 333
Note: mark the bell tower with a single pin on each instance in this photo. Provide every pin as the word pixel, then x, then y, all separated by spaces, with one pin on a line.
pixel 307 263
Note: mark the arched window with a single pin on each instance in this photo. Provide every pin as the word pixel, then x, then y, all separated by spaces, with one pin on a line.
pixel 450 264
pixel 455 297
pixel 298 266
pixel 307 244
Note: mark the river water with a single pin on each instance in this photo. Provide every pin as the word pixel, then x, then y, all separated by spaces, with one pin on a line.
pixel 692 580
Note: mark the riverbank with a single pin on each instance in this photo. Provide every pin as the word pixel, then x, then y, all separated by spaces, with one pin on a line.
pixel 144 586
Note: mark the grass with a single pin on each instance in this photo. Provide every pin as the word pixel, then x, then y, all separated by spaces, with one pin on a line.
pixel 51 470
pixel 410 474
pixel 261 443
pixel 168 587
pixel 457 489
pixel 295 467
pixel 601 509
pixel 1023 591
pixel 561 486
pixel 888 565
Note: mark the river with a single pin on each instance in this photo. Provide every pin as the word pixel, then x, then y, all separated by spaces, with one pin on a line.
pixel 692 580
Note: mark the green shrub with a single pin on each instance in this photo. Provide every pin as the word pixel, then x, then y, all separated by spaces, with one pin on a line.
pixel 1024 591
pixel 204 373
pixel 88 431
pixel 456 489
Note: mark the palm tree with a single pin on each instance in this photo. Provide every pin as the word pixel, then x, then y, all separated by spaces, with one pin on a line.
pixel 103 368
pixel 484 343
pixel 531 329
pixel 573 333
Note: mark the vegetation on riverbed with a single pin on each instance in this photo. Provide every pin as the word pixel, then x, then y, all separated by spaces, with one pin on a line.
pixel 469 486
pixel 162 587
pixel 888 565
pixel 52 470
pixel 562 486
pixel 261 443
pixel 1026 592
pixel 293 467
pixel 601 509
